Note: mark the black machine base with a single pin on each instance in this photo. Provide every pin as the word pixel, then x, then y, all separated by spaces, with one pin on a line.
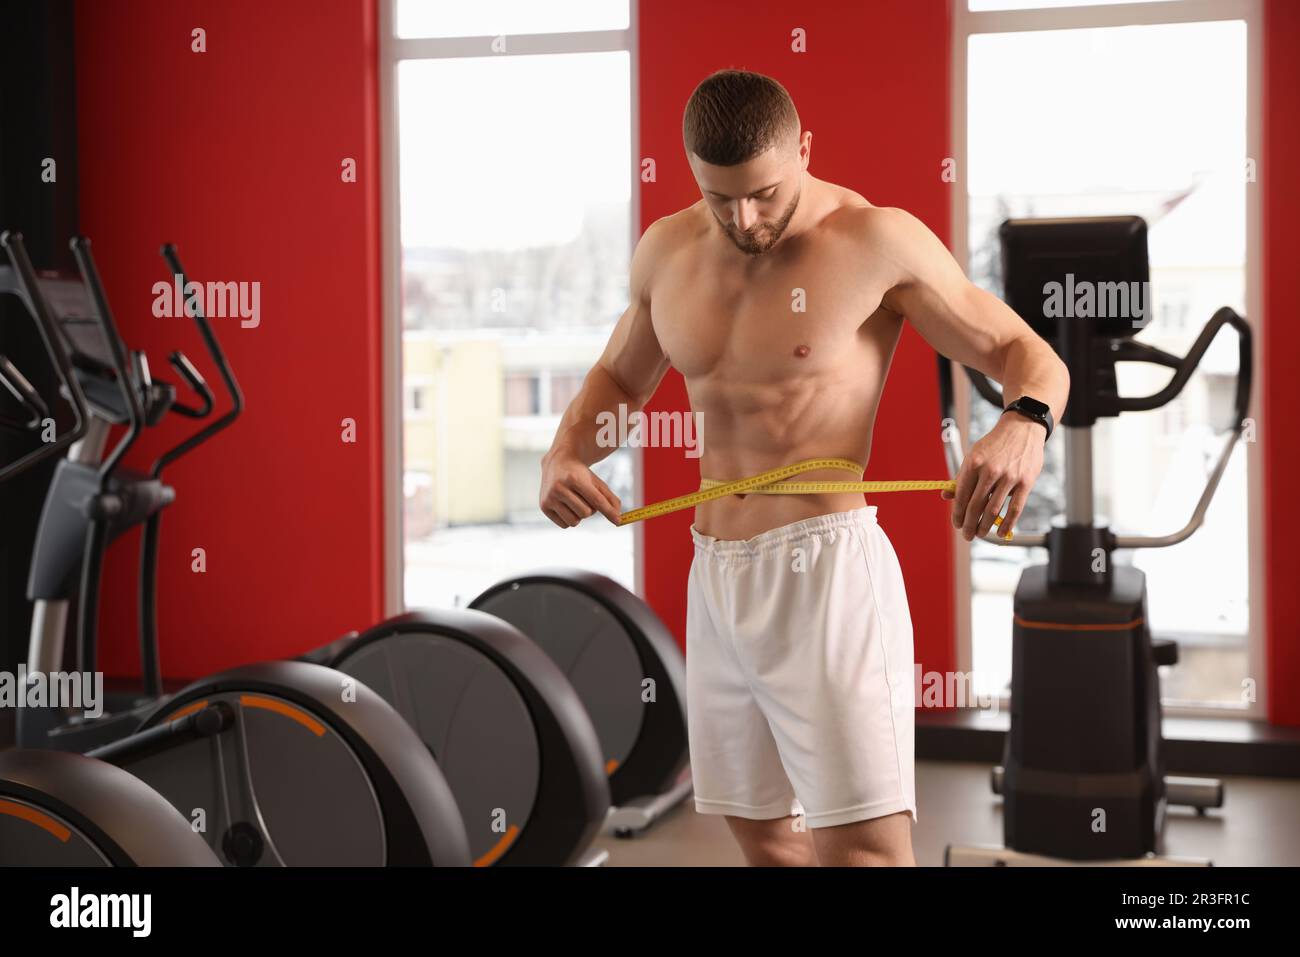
pixel 1082 658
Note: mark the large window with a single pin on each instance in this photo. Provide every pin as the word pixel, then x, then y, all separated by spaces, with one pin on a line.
pixel 514 159
pixel 1106 111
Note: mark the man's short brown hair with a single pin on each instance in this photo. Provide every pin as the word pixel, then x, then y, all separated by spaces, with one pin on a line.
pixel 734 115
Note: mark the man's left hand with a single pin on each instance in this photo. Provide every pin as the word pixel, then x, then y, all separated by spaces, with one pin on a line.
pixel 1006 462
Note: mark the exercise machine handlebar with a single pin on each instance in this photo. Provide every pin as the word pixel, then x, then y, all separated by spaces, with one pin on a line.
pixel 1187 365
pixel 185 369
pixel 25 393
pixel 950 436
pixel 20 279
pixel 218 358
pixel 135 414
pixel 1241 406
pixel 151 667
pixel 207 722
pixel 1127 351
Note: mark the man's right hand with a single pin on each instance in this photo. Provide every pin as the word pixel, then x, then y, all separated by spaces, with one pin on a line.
pixel 571 491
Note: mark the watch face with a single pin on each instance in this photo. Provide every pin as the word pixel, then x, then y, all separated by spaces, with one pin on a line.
pixel 1033 406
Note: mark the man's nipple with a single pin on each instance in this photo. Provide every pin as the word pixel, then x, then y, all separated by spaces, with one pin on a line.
pixel 801 352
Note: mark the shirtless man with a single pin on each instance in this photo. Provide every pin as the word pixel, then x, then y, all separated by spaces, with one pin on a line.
pixel 799 640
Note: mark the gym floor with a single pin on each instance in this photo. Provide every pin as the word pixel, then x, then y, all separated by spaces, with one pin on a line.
pixel 1257 825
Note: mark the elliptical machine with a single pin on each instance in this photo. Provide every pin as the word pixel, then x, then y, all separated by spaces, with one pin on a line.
pixel 556 694
pixel 65 809
pixel 531 735
pixel 490 716
pixel 243 752
pixel 520 754
pixel 1083 774
pixel 628 670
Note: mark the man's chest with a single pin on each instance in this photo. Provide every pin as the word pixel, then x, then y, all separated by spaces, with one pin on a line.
pixel 763 322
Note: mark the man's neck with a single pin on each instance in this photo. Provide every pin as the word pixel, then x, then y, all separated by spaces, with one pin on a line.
pixel 807 212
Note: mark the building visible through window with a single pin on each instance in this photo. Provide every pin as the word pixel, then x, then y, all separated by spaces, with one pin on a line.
pixel 516 240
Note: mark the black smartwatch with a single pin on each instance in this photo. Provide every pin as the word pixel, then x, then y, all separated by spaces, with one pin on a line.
pixel 1040 412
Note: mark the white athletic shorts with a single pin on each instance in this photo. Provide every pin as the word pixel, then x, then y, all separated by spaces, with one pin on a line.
pixel 799 674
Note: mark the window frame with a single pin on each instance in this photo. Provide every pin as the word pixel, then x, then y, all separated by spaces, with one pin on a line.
pixel 966 24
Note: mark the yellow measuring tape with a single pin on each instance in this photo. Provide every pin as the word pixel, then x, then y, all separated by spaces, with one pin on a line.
pixel 775 482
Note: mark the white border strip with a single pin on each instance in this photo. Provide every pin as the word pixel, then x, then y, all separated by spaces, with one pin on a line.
pixel 391 321
pixel 959 217
pixel 1108 15
pixel 1256 648
pixel 634 226
pixel 515 44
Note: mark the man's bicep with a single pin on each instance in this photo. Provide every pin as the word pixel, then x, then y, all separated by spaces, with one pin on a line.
pixel 633 357
pixel 930 291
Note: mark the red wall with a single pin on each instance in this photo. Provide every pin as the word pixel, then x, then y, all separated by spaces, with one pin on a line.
pixel 873 88
pixel 234 154
pixel 1277 354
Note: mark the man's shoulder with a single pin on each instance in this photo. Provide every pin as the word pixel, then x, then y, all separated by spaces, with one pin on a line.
pixel 663 240
pixel 686 225
pixel 865 220
pixel 671 234
pixel 886 233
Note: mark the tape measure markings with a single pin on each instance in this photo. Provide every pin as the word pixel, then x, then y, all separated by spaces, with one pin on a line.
pixel 772 482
